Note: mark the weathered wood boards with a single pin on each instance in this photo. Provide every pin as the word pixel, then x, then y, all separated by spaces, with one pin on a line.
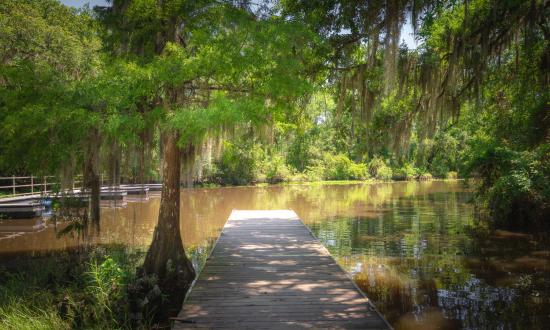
pixel 21 210
pixel 268 272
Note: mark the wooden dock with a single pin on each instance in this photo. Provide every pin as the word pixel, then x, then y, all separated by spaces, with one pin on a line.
pixel 267 271
pixel 33 205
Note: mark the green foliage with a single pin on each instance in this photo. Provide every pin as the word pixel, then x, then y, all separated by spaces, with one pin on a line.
pixel 47 50
pixel 407 172
pixel 242 164
pixel 17 315
pixel 384 173
pixel 479 73
pixel 315 172
pixel 311 100
pixel 68 291
pixel 276 170
pixel 340 167
pixel 302 151
pixel 379 170
pixel 106 287
pixel 236 166
pixel 390 122
pixel 424 176
pixel 445 153
pixel 514 185
pixel 452 175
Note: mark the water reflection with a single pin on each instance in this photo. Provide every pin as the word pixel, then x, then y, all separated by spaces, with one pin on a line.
pixel 414 248
pixel 427 264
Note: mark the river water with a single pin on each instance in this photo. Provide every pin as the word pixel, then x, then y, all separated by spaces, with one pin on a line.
pixel 414 248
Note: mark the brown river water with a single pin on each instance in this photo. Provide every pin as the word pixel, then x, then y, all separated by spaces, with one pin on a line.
pixel 415 248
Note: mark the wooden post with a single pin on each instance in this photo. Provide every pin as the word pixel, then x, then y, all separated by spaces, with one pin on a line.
pixel 32 185
pixel 13 184
pixel 45 179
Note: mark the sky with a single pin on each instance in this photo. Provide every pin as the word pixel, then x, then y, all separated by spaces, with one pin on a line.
pixel 406 31
pixel 80 3
pixel 407 36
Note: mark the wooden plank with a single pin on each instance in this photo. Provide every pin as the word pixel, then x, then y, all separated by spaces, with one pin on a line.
pixel 267 271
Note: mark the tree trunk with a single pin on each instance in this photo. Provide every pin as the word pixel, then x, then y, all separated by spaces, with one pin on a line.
pixel 166 256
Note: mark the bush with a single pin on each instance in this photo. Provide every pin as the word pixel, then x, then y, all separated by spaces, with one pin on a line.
pixel 374 165
pixel 406 172
pixel 452 175
pixel 358 171
pixel 106 285
pixel 340 167
pixel 315 172
pixel 384 173
pixel 235 167
pixel 299 177
pixel 442 153
pixel 515 186
pixel 424 177
pixel 276 170
pixel 378 169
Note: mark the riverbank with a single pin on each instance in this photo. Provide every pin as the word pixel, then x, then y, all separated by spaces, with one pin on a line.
pixel 323 183
pixel 86 288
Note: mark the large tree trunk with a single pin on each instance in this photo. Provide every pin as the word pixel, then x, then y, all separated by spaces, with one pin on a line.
pixel 166 256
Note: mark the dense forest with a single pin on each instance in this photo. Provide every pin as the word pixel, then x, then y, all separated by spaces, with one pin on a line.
pixel 237 92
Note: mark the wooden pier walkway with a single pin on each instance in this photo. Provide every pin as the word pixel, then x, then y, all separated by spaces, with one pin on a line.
pixel 267 271
pixel 31 205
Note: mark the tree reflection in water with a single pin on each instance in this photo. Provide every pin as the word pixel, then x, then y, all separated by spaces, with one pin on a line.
pixel 428 264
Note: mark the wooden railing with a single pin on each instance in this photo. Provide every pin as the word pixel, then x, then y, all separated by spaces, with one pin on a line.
pixel 12 186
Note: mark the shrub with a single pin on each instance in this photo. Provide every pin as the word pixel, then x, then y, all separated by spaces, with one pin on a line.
pixel 276 170
pixel 439 170
pixel 384 173
pixel 374 165
pixel 299 177
pixel 340 167
pixel 406 172
pixel 515 186
pixel 106 285
pixel 452 175
pixel 358 171
pixel 378 169
pixel 315 172
pixel 441 154
pixel 424 177
pixel 235 167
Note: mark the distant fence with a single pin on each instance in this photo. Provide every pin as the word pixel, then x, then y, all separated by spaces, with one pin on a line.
pixel 12 186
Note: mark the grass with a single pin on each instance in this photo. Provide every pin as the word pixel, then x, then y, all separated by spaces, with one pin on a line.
pixel 18 315
pixel 68 290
